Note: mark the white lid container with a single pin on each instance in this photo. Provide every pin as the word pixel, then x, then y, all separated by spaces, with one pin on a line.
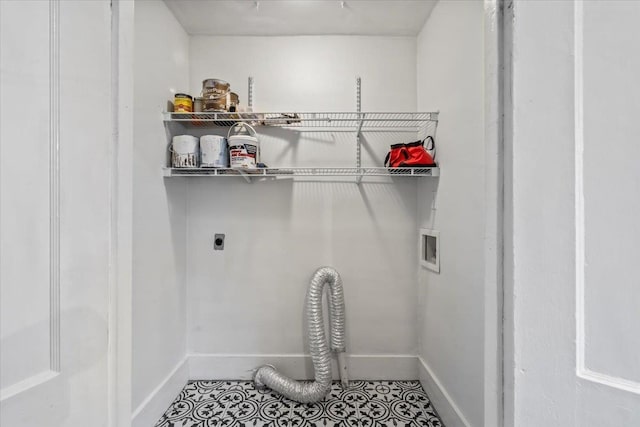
pixel 244 149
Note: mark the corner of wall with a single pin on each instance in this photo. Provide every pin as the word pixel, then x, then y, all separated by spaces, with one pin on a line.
pixel 446 407
pixel 151 409
pixel 450 70
pixel 160 207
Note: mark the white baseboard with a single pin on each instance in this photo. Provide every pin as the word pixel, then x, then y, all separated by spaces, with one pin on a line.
pixel 152 408
pixel 449 412
pixel 299 366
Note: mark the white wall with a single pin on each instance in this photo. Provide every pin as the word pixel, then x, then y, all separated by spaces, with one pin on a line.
pixel 248 299
pixel 310 73
pixel 159 206
pixel 450 79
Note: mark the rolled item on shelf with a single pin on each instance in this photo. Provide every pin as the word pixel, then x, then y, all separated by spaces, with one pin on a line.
pixel 304 391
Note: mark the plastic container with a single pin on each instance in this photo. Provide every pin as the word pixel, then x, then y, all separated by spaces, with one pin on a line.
pixel 244 147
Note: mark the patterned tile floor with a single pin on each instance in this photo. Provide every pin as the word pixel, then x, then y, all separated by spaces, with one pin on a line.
pixel 240 404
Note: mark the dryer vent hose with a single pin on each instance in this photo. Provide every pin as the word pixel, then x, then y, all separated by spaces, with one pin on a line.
pixel 314 391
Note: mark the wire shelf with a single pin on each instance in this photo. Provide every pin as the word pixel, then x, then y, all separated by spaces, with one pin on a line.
pixel 367 121
pixel 424 123
pixel 291 172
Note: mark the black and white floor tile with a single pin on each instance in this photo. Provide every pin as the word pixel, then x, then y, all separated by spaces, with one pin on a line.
pixel 240 404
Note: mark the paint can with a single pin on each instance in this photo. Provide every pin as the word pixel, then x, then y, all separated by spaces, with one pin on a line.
pixel 182 103
pixel 244 147
pixel 232 102
pixel 198 105
pixel 214 94
pixel 184 151
pixel 213 149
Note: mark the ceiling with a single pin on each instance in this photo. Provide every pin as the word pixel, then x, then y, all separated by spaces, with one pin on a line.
pixel 302 17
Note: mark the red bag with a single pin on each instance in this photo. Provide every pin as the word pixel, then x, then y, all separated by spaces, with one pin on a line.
pixel 396 156
pixel 412 154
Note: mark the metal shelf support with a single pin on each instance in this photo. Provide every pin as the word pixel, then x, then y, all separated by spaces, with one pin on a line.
pixel 250 94
pixel 361 120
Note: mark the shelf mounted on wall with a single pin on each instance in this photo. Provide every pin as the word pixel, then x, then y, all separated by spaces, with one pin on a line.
pixel 311 172
pixel 309 121
pixel 421 123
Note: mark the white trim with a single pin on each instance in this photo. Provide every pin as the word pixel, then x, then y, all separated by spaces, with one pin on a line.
pixel 611 381
pixel 494 212
pixel 120 195
pixel 54 186
pixel 446 407
pixel 152 408
pixel 27 384
pixel 579 184
pixel 299 366
pixel 507 337
pixel 112 357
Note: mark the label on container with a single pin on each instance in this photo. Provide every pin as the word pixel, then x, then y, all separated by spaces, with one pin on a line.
pixel 183 105
pixel 243 155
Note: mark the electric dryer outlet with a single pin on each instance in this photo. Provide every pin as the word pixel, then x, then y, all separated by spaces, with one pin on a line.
pixel 218 242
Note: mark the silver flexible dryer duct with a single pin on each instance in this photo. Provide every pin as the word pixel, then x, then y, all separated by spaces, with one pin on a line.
pixel 306 392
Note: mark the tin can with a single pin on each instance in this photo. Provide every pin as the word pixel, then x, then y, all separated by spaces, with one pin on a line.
pixel 213 149
pixel 214 94
pixel 213 88
pixel 198 105
pixel 232 103
pixel 182 103
pixel 184 151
